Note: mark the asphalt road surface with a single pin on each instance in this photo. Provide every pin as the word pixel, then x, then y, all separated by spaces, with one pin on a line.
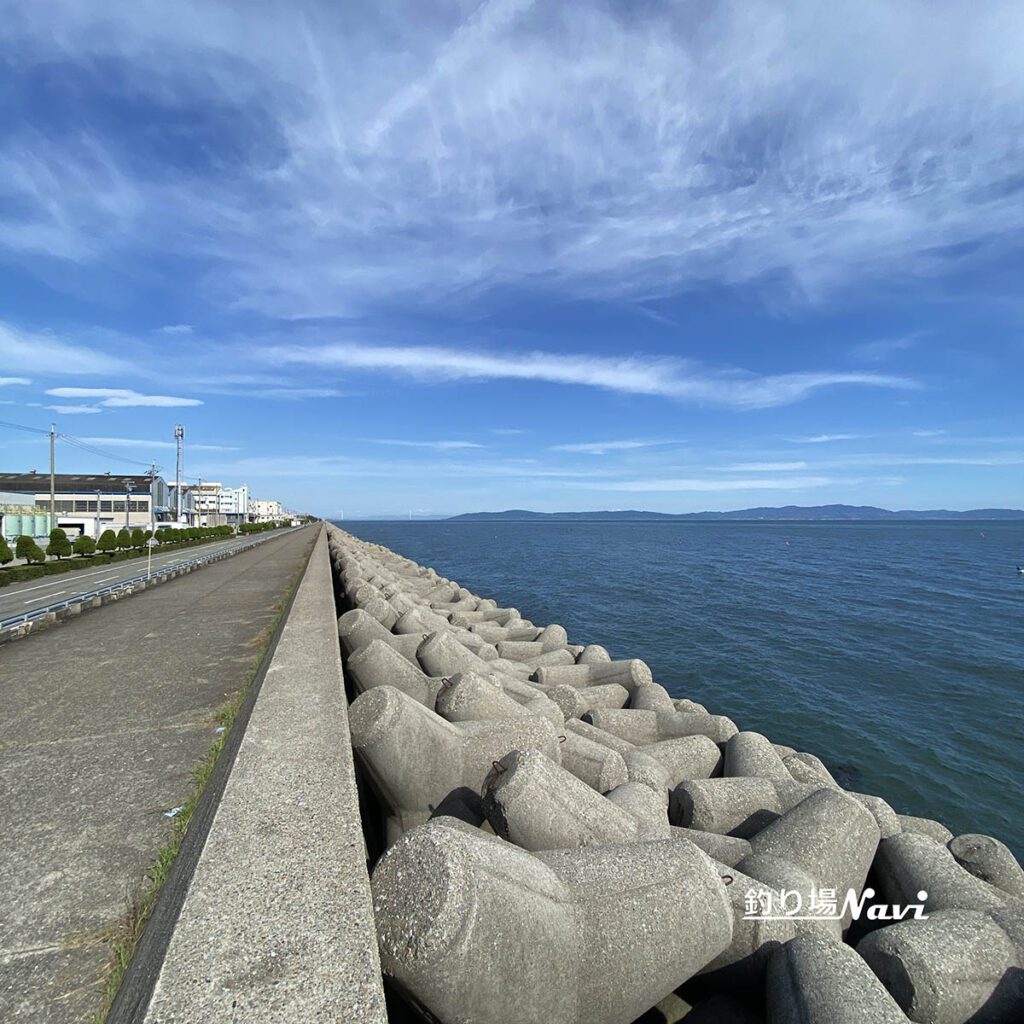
pixel 32 594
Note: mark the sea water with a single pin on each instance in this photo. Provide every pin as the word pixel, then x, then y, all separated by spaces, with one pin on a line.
pixel 893 651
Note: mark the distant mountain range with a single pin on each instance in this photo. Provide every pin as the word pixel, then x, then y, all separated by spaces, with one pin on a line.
pixel 787 512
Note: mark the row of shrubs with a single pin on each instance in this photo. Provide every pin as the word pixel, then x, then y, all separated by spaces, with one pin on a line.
pixel 259 527
pixel 112 547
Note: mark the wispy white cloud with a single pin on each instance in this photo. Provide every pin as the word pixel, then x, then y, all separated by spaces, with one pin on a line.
pixel 41 352
pixel 8 381
pixel 138 442
pixel 739 143
pixel 177 329
pixel 762 467
pixel 603 447
pixel 643 375
pixel 797 483
pixel 827 438
pixel 123 398
pixel 438 445
pixel 74 410
pixel 885 348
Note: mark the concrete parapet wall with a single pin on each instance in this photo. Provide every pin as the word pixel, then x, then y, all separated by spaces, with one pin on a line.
pixel 277 924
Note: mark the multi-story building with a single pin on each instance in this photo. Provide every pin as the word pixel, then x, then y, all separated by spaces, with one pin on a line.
pixel 262 510
pixel 217 505
pixel 89 503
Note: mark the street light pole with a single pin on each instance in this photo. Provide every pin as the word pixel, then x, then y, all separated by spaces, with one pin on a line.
pixel 129 484
pixel 53 489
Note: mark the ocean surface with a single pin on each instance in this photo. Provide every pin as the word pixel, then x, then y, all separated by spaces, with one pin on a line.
pixel 893 651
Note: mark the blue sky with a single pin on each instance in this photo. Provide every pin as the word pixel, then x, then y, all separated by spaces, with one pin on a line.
pixel 443 257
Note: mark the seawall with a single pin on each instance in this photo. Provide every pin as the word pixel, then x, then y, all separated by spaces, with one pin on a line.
pixel 565 841
pixel 440 810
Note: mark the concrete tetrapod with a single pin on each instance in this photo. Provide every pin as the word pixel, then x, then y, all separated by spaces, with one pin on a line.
pixel 356 629
pixel 990 860
pixel 379 664
pixel 478 931
pixel 416 759
pixel 955 966
pixel 910 863
pixel 814 981
pixel 538 805
pixel 828 839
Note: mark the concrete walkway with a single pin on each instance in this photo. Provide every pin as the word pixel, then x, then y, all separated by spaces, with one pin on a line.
pixel 103 721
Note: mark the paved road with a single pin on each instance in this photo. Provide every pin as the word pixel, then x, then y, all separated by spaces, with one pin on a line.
pixel 24 597
pixel 103 721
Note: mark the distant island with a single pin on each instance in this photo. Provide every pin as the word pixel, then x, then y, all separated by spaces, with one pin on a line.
pixel 787 512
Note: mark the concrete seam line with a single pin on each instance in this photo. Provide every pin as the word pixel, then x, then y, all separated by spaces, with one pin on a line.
pixel 133 996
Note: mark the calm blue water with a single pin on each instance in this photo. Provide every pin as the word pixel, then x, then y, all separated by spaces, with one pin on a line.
pixel 895 652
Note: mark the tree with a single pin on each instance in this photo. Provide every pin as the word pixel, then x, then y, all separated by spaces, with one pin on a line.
pixel 34 553
pixel 124 538
pixel 23 546
pixel 138 538
pixel 108 541
pixel 84 545
pixel 6 554
pixel 59 545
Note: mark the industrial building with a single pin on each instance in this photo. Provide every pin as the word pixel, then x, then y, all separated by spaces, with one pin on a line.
pixel 83 503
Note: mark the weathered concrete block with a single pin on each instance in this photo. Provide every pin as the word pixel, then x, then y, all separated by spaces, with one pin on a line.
pixel 637 727
pixel 809 769
pixel 737 806
pixel 728 850
pixel 469 697
pixel 910 863
pixel 954 967
pixel 606 739
pixel 599 767
pixel 648 772
pixel 643 803
pixel 415 758
pixel 441 654
pixel 812 980
pixel 651 697
pixel 716 727
pixel 742 965
pixel 379 664
pixel 538 805
pixel 990 860
pixel 478 930
pixel 925 827
pixel 689 757
pixel 828 836
pixel 593 654
pixel 749 754
pixel 420 620
pixel 885 817
pixel 576 703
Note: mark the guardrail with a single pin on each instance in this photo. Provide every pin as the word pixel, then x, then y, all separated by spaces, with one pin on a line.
pixel 56 606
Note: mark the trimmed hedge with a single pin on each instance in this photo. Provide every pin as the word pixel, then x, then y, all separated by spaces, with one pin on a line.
pixel 21 573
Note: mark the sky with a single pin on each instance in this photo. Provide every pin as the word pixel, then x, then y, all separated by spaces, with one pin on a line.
pixel 425 258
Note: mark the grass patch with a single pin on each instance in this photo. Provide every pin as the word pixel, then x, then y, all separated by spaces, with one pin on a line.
pixel 124 936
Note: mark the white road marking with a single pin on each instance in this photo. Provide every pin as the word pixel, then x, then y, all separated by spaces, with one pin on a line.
pixel 33 600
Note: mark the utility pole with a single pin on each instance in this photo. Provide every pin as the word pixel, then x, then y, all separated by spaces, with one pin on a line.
pixel 152 519
pixel 152 498
pixel 127 500
pixel 179 437
pixel 99 506
pixel 53 487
